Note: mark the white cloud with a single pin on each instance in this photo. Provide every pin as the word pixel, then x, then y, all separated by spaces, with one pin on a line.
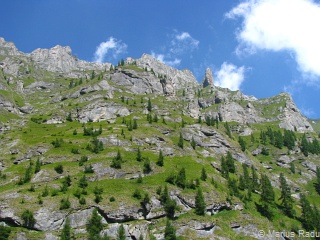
pixel 185 36
pixel 183 43
pixel 113 45
pixel 178 45
pixel 161 58
pixel 278 25
pixel 230 76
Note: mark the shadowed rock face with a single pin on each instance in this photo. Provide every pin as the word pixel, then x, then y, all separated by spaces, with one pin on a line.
pixel 208 78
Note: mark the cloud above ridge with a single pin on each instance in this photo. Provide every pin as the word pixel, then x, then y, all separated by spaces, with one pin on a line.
pixel 180 44
pixel 277 25
pixel 229 76
pixel 112 45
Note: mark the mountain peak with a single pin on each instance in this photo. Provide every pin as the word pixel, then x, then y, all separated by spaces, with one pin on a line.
pixel 208 78
pixel 8 48
pixel 179 78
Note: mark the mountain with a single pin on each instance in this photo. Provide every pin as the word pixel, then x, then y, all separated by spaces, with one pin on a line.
pixel 141 142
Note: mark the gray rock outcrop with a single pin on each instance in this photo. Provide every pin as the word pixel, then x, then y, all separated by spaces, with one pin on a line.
pixel 60 59
pixel 99 110
pixel 175 79
pixel 8 48
pixel 208 78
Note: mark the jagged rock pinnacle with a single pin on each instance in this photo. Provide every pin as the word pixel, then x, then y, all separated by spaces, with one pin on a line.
pixel 208 78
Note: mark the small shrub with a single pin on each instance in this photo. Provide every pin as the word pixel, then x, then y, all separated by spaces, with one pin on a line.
pixel 112 199
pixel 28 219
pixel 82 160
pixel 59 169
pixel 31 189
pixel 146 166
pixel 77 193
pixel 45 192
pixel 54 192
pixel 139 179
pixel 82 201
pixel 75 151
pixel 88 169
pixel 137 194
pixel 64 203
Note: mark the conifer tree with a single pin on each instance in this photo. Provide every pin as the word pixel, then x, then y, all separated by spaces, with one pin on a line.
pixel 149 107
pixel 204 175
pixel 314 146
pixel 267 196
pixel 224 168
pixel 164 197
pixel 254 179
pixel 193 143
pixel 307 213
pixel 94 225
pixel 180 143
pixel 28 219
pixel 278 139
pixel 155 118
pixel 38 166
pixel 66 231
pixel 263 137
pixel 252 138
pixel 304 146
pixel 289 139
pixel 246 176
pixel 130 127
pixel 160 159
pixel 200 205
pixel 271 136
pixel 121 233
pixel 181 178
pixel 170 207
pixel 217 121
pixel 317 184
pixel 242 143
pixel 146 166
pixel 169 232
pixel 228 131
pixel 242 184
pixel 230 163
pixel 139 157
pixel 69 117
pixel 116 161
pixel 182 123
pixel 287 200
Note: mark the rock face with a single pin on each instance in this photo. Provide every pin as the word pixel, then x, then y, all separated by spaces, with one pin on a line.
pixel 8 48
pixel 175 79
pixel 138 82
pixel 98 111
pixel 292 118
pixel 208 78
pixel 60 59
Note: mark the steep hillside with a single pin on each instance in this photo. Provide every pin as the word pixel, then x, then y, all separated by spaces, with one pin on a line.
pixel 130 146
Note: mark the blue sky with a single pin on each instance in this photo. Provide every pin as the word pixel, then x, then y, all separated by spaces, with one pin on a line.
pixel 262 47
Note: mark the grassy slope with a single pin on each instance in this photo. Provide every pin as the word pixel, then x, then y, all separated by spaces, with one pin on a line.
pixel 33 134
